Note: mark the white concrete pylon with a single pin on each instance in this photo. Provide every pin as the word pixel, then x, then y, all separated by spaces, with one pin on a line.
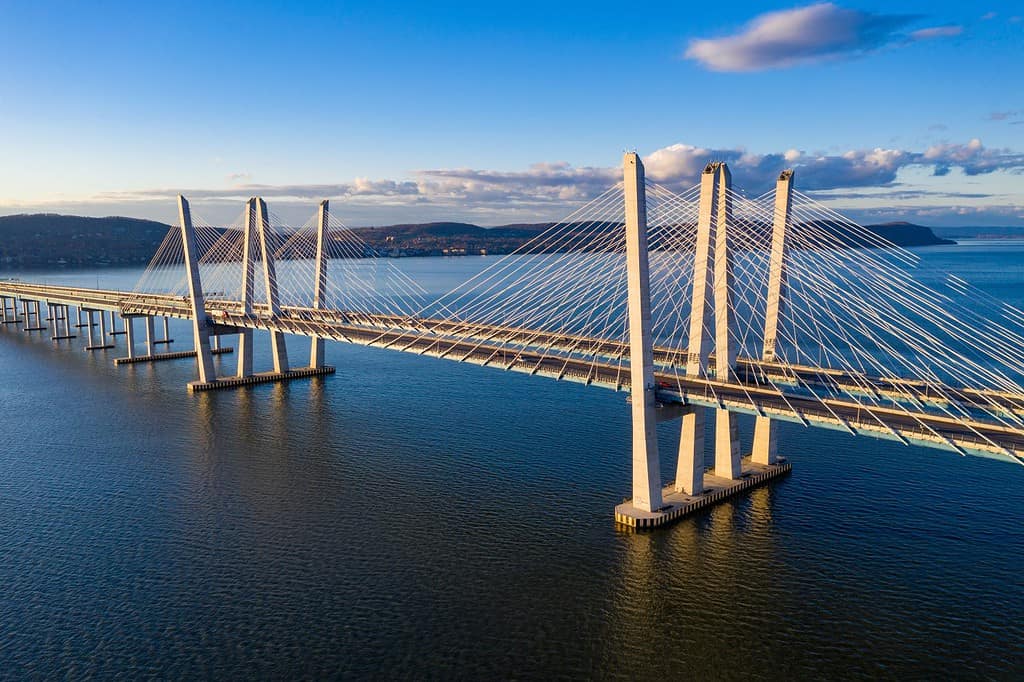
pixel 316 353
pixel 699 340
pixel 245 337
pixel 765 446
pixel 727 442
pixel 690 459
pixel 277 343
pixel 646 465
pixel 200 322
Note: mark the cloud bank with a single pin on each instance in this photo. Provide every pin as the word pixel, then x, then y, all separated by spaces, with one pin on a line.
pixel 806 35
pixel 547 191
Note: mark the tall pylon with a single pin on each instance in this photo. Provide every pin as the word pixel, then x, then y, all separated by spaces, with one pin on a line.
pixel 277 343
pixel 690 464
pixel 316 352
pixel 200 322
pixel 646 465
pixel 764 448
pixel 711 324
pixel 727 441
pixel 245 336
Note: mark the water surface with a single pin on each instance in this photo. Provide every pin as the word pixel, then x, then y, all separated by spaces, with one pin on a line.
pixel 414 518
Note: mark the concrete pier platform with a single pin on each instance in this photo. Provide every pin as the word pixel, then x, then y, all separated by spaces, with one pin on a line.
pixel 18 321
pixel 35 329
pixel 157 343
pixel 678 505
pixel 101 346
pixel 258 378
pixel 61 338
pixel 177 355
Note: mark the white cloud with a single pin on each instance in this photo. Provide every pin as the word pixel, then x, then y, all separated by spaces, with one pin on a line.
pixel 551 190
pixel 807 35
pixel 936 32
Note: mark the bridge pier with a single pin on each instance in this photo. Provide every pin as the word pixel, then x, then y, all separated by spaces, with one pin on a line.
pixel 129 334
pixel 101 342
pixel 113 325
pixel 151 355
pixel 257 225
pixel 13 317
pixel 28 312
pixel 61 314
pixel 711 324
pixel 167 333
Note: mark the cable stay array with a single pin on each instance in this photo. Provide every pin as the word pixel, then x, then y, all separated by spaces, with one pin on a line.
pixel 861 323
pixel 358 285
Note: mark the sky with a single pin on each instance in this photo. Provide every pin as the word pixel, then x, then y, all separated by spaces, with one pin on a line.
pixel 507 112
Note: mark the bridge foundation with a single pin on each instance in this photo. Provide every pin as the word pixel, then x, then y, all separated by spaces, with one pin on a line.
pixel 258 378
pixel 173 355
pixel 677 505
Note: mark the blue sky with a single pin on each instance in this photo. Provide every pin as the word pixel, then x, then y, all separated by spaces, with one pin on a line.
pixel 506 112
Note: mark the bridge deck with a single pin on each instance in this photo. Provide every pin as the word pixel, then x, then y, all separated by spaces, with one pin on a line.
pixel 604 363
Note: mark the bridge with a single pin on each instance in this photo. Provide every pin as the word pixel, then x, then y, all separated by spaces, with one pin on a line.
pixel 698 303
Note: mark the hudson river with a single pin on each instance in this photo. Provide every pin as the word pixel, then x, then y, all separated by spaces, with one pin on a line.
pixel 412 518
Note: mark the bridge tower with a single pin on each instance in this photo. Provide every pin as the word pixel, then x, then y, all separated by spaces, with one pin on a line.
pixel 764 448
pixel 200 322
pixel 245 336
pixel 646 465
pixel 316 354
pixel 711 323
pixel 712 329
pixel 277 343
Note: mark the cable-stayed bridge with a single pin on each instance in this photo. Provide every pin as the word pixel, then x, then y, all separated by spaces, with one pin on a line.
pixel 700 303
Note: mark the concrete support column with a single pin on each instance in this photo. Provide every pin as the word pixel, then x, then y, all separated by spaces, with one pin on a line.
pixel 3 309
pixel 727 443
pixel 646 465
pixel 91 324
pixel 150 336
pixel 103 328
pixel 277 343
pixel 129 335
pixel 51 319
pixel 316 352
pixel 690 465
pixel 200 323
pixel 765 446
pixel 167 330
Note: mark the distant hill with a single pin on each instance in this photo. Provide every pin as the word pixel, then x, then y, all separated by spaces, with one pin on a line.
pixel 435 239
pixel 44 240
pixel 50 240
pixel 908 234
